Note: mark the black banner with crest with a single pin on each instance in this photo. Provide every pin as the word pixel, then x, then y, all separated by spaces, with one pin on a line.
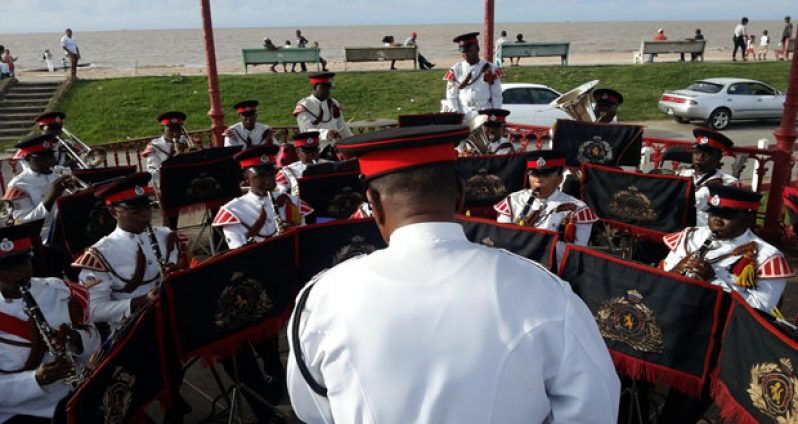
pixel 82 220
pixel 489 179
pixel 659 326
pixel 648 204
pixel 532 243
pixel 334 195
pixel 756 380
pixel 243 295
pixel 94 176
pixel 598 143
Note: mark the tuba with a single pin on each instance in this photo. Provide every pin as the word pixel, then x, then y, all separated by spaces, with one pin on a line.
pixel 576 103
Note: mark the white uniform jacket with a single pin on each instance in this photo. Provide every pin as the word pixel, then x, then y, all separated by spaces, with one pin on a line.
pixel 772 269
pixel 499 147
pixel 28 190
pixel 122 266
pixel 470 88
pixel 701 183
pixel 156 152
pixel 240 136
pixel 243 213
pixel 436 329
pixel 548 214
pixel 20 394
pixel 314 115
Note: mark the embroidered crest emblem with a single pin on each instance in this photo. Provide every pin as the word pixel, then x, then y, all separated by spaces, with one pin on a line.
pixel 6 245
pixel 311 141
pixel 58 120
pixel 90 282
pixel 628 320
pixel 203 187
pixel 173 120
pixel 773 390
pixel 356 247
pixel 541 162
pixel 595 150
pixel 715 200
pixel 118 397
pixel 264 159
pixel 243 301
pixel 485 187
pixel 494 118
pixel 344 203
pixel 632 205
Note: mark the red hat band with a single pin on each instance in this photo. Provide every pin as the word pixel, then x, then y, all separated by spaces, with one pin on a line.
pixel 36 148
pixel 720 202
pixel 305 142
pixel 541 163
pixel 130 193
pixel 469 40
pixel 8 247
pixel 256 161
pixel 706 141
pixel 168 121
pixel 51 121
pixel 380 161
pixel 247 109
pixel 497 118
pixel 325 80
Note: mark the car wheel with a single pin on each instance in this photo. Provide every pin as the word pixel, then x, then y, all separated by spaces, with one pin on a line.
pixel 719 119
pixel 681 119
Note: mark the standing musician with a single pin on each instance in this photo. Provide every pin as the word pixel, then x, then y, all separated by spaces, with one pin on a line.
pixel 249 132
pixel 472 84
pixel 35 190
pixel 727 253
pixel 123 270
pixel 307 145
pixel 320 112
pixel 49 123
pixel 32 377
pixel 490 138
pixel 707 152
pixel 263 212
pixel 544 206
pixel 172 142
pixel 607 102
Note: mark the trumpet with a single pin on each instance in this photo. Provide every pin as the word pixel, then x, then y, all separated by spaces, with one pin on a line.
pixel 47 332
pixel 77 183
pixel 85 156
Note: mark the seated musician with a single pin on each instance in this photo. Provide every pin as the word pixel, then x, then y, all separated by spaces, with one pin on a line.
pixel 490 138
pixel 35 190
pixel 707 152
pixel 251 217
pixel 727 253
pixel 248 132
pixel 32 380
pixel 544 206
pixel 172 142
pixel 307 145
pixel 123 270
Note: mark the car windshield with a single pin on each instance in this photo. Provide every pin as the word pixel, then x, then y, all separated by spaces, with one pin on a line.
pixel 705 87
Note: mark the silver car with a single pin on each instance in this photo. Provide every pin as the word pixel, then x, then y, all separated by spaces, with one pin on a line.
pixel 718 101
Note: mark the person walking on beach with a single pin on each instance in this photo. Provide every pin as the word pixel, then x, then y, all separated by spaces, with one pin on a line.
pixel 659 37
pixel 47 57
pixel 71 50
pixel 502 39
pixel 9 60
pixel 740 36
pixel 764 42
pixel 302 43
pixel 786 36
pixel 423 63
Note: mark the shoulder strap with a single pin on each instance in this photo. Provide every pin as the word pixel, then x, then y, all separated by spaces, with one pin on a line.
pixel 298 357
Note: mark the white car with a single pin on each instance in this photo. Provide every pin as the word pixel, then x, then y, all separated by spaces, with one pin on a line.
pixel 529 104
pixel 718 101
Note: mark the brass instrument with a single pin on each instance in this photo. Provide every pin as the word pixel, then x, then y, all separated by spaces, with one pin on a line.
pixel 77 183
pixel 278 221
pixel 7 213
pixel 189 143
pixel 576 103
pixel 699 254
pixel 47 332
pixel 85 156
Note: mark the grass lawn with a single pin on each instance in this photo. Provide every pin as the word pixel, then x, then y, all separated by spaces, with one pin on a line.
pixel 100 111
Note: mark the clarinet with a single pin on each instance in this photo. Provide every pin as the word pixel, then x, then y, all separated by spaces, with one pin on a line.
pixel 47 333
pixel 156 249
pixel 278 222
pixel 522 218
pixel 699 254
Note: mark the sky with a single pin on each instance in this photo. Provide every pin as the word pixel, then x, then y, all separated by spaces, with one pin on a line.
pixel 25 16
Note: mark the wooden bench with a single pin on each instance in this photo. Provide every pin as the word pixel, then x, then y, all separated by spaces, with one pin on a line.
pixel 380 54
pixel 281 55
pixel 667 46
pixel 534 50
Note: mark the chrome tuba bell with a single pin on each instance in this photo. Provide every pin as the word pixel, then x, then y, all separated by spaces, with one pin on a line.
pixel 576 103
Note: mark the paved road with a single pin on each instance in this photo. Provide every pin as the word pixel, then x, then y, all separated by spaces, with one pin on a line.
pixel 743 133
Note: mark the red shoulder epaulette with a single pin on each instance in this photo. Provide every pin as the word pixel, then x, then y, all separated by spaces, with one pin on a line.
pixel 305 208
pixel 503 207
pixel 298 109
pixel 358 214
pixel 281 178
pixel 225 217
pixel 585 216
pixel 147 150
pixel 449 76
pixel 78 304
pixel 775 267
pixel 672 240
pixel 91 259
pixel 499 73
pixel 14 193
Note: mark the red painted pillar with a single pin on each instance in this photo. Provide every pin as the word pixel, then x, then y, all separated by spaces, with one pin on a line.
pixel 216 113
pixel 785 135
pixel 488 30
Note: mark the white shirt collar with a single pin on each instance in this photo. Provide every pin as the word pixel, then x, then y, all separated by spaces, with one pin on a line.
pixel 126 234
pixel 427 232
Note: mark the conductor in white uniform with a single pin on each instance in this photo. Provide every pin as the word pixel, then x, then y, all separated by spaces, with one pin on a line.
pixel 472 84
pixel 434 328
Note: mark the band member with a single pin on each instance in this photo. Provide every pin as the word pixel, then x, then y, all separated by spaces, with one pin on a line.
pixel 251 218
pixel 320 112
pixel 544 206
pixel 172 142
pixel 49 123
pixel 607 102
pixel 727 253
pixel 249 132
pixel 490 138
pixel 123 270
pixel 33 379
pixel 307 145
pixel 410 314
pixel 35 190
pixel 472 84
pixel 708 150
